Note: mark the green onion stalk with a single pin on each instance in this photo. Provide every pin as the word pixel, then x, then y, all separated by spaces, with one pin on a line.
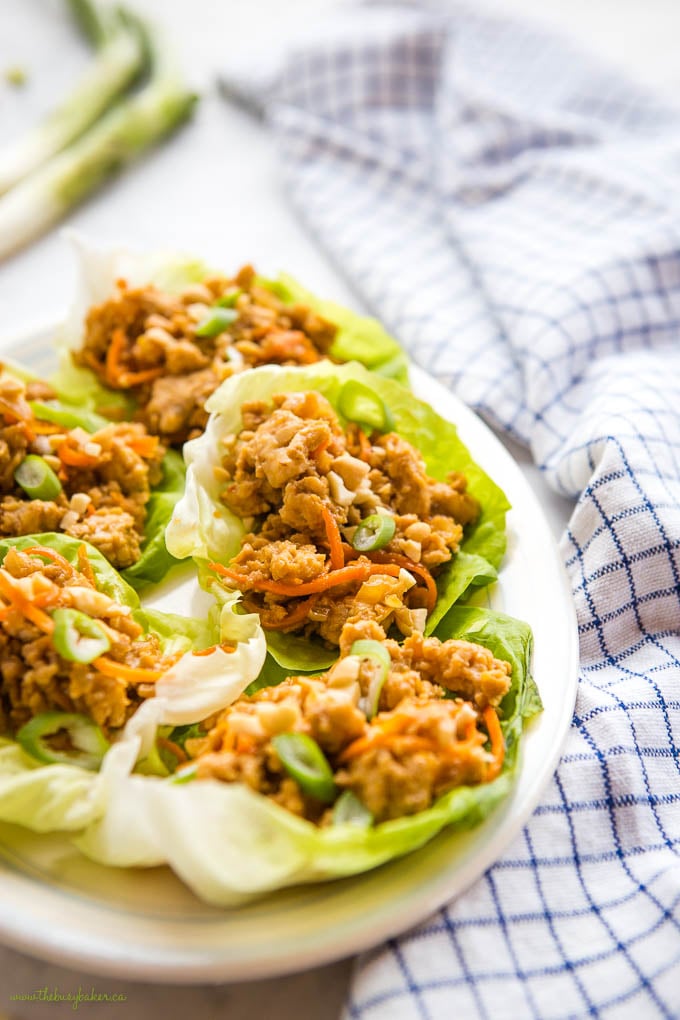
pixel 129 127
pixel 119 59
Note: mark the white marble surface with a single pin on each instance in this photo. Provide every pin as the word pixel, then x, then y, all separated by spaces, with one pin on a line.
pixel 215 190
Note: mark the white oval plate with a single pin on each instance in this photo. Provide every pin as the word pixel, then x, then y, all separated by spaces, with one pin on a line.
pixel 146 924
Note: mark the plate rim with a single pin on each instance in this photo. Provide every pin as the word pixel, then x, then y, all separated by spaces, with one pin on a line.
pixel 16 931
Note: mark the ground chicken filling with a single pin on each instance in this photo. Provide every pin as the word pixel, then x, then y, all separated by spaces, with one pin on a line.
pixel 34 677
pixel 105 478
pixel 172 351
pixel 419 744
pixel 304 485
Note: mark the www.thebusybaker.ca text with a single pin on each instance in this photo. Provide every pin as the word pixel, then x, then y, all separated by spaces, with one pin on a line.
pixel 76 998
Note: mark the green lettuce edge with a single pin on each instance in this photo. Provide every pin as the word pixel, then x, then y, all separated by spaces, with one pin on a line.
pixel 344 850
pixel 155 561
pixel 359 338
pixel 436 438
pixel 173 630
pixel 230 844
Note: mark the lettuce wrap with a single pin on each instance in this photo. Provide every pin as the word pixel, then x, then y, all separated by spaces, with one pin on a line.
pixel 229 844
pixel 67 797
pixel 204 528
pixel 359 338
pixel 155 561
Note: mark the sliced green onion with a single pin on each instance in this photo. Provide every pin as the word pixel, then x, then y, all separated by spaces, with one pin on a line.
pixel 118 61
pixel 71 419
pixel 89 743
pixel 229 299
pixel 378 654
pixel 306 763
pixel 37 479
pixel 216 321
pixel 360 404
pixel 374 532
pixel 348 810
pixel 367 649
pixel 16 76
pixel 187 774
pixel 126 129
pixel 153 764
pixel 77 637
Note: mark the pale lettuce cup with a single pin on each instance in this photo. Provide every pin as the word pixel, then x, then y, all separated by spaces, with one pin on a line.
pixel 230 844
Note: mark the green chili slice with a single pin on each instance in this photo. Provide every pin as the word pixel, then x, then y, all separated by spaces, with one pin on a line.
pixel 37 479
pixel 380 658
pixel 216 321
pixel 58 414
pixel 77 637
pixel 229 299
pixel 359 403
pixel 306 763
pixel 374 532
pixel 348 810
pixel 88 742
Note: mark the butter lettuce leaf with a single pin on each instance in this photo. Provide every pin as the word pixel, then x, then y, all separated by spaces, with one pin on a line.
pixel 47 797
pixel 156 561
pixel 359 337
pixel 230 844
pixel 204 528
pixel 107 577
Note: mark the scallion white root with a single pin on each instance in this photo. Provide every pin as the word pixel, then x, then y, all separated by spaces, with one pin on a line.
pixel 116 64
pixel 112 140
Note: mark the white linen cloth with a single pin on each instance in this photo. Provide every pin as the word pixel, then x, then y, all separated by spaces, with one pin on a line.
pixel 511 212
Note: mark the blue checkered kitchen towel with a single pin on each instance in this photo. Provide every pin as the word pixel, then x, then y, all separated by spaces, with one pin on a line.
pixel 511 211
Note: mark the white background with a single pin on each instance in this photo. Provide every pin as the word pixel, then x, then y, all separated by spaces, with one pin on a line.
pixel 215 190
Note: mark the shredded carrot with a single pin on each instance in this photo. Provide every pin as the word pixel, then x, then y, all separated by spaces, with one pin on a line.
pixel 28 430
pixel 116 347
pixel 128 379
pixel 144 446
pixel 45 428
pixel 116 375
pixel 382 738
pixel 493 728
pixel 13 417
pixel 84 565
pixel 358 571
pixel 364 446
pixel 415 568
pixel 245 744
pixel 321 448
pixel 76 458
pixel 133 674
pixel 334 539
pixel 213 648
pixel 18 601
pixel 296 616
pixel 50 554
pixel 170 745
